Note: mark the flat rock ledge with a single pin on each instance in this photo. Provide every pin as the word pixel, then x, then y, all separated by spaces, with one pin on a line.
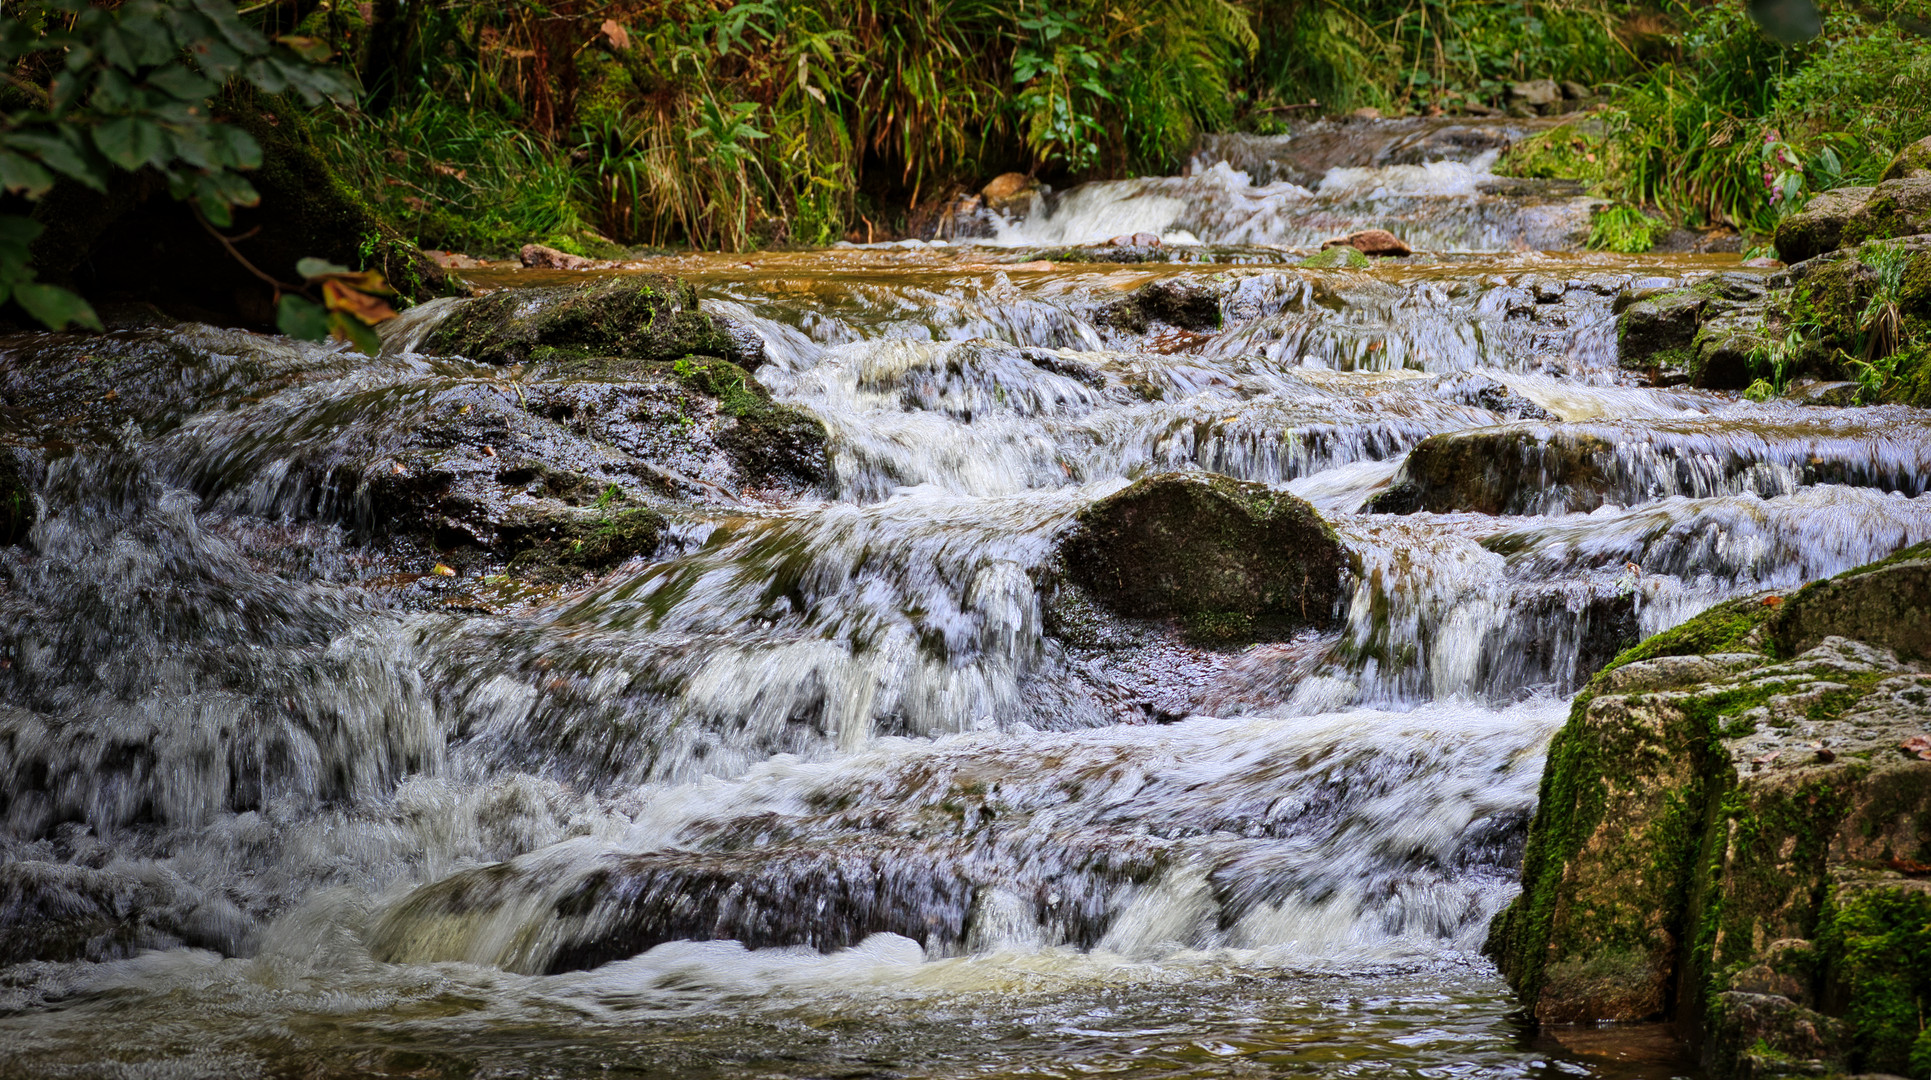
pixel 1734 830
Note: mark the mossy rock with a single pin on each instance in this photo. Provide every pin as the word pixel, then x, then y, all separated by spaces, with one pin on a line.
pixel 1176 303
pixel 1888 604
pixel 1896 208
pixel 1501 470
pixel 1227 556
pixel 1819 226
pixel 1913 161
pixel 1713 828
pixel 644 317
pixel 557 546
pixel 1724 353
pixel 1650 328
pixel 1338 257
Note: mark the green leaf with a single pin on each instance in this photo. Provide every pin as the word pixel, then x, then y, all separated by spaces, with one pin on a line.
pixel 56 308
pixel 181 83
pixel 131 142
pixel 59 154
pixel 304 319
pixel 312 268
pixel 356 332
pixel 114 49
pixel 23 174
pixel 243 150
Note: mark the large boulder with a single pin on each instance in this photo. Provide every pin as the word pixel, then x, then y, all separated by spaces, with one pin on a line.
pixel 1732 834
pixel 1819 226
pixel 1218 553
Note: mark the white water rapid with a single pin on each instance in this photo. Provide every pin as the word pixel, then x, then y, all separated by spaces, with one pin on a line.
pixel 837 781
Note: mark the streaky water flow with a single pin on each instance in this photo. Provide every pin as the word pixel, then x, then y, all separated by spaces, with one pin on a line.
pixel 838 781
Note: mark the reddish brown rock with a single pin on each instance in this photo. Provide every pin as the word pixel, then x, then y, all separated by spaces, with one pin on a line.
pixel 1371 242
pixel 538 257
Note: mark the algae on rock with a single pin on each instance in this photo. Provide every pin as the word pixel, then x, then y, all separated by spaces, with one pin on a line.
pixel 1719 827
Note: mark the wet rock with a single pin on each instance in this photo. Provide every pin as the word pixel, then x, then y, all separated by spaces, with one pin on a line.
pixel 1139 239
pixel 1819 226
pixel 1827 394
pixel 640 317
pixel 1531 468
pixel 1497 397
pixel 1655 333
pixel 1574 91
pixel 1726 350
pixel 1536 92
pixel 1339 257
pixel 1371 242
pixel 553 545
pixel 1719 826
pixel 1174 302
pixel 16 498
pixel 1008 192
pixel 1913 161
pixel 538 257
pixel 1459 142
pixel 1204 547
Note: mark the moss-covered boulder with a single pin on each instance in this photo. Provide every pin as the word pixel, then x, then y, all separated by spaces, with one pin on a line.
pixel 1913 161
pixel 1728 831
pixel 1227 556
pixel 1896 208
pixel 1519 469
pixel 1819 226
pixel 642 317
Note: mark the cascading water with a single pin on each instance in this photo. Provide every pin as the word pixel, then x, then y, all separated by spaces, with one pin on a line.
pixel 840 780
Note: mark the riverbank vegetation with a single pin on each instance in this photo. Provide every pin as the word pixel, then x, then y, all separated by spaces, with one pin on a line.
pixel 594 125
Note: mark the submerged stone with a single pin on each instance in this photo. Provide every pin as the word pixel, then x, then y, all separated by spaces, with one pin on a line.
pixel 1175 303
pixel 1721 831
pixel 1225 555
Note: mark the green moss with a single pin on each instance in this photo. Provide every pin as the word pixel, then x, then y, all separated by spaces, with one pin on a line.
pixel 1338 257
pixel 556 547
pixel 1727 627
pixel 1218 627
pixel 1876 935
pixel 1564 152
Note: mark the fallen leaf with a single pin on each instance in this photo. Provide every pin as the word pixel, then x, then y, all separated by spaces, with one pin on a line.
pixel 619 37
pixel 342 295
pixel 1908 867
pixel 1766 758
pixel 399 470
pixel 489 451
pixel 1772 601
pixel 443 571
pixel 1919 745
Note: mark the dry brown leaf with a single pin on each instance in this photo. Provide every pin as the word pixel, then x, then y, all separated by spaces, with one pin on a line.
pixel 619 37
pixel 340 295
pixel 1918 745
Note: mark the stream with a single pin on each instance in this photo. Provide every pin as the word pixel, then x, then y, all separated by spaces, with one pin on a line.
pixel 830 787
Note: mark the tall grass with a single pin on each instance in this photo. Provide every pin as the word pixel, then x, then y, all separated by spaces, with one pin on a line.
pixel 1741 128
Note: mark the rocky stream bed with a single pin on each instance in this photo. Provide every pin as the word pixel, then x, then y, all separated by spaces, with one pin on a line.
pixel 1021 657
